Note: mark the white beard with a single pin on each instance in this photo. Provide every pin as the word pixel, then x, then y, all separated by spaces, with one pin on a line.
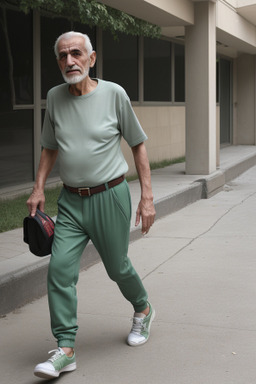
pixel 76 78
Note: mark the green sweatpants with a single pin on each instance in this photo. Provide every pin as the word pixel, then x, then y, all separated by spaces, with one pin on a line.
pixel 105 219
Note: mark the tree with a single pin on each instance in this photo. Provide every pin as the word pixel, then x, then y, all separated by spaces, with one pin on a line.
pixel 94 14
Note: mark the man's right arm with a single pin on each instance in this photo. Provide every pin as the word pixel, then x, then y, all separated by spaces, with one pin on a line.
pixel 37 198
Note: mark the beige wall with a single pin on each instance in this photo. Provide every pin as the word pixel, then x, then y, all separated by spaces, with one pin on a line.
pixel 165 128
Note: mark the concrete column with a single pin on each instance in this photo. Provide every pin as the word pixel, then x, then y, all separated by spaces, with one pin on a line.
pixel 201 90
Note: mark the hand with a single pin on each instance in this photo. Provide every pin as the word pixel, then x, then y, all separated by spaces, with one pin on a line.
pixel 146 211
pixel 37 199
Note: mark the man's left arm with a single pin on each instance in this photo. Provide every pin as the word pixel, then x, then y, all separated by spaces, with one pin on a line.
pixel 146 210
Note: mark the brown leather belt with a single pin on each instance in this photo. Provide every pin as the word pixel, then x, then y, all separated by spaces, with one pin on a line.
pixel 91 191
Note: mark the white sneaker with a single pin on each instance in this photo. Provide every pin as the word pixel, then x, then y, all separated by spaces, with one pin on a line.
pixel 141 328
pixel 55 365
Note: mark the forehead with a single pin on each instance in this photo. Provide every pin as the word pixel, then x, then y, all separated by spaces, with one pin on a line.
pixel 75 42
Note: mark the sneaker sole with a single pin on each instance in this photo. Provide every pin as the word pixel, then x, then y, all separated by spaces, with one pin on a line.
pixel 52 375
pixel 149 326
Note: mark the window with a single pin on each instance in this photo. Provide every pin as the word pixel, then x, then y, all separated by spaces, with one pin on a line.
pixel 51 29
pixel 157 70
pixel 120 62
pixel 225 99
pixel 16 64
pixel 179 53
pixel 16 147
pixel 217 80
pixel 16 89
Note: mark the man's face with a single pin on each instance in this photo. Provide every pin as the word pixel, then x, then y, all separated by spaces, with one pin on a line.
pixel 73 60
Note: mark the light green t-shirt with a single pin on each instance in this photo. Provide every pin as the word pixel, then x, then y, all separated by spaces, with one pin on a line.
pixel 87 131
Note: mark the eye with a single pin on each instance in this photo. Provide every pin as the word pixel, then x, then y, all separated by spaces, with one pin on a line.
pixel 62 56
pixel 76 53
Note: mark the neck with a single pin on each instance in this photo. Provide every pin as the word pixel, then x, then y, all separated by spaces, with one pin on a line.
pixel 87 85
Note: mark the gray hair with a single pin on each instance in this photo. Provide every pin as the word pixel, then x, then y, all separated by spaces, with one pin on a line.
pixel 69 35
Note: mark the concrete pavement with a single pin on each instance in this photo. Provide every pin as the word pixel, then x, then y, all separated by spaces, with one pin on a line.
pixel 198 265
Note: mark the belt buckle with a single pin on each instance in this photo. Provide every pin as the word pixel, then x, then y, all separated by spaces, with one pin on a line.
pixel 84 189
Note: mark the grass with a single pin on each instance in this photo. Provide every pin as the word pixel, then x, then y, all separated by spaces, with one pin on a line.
pixel 12 212
pixel 166 163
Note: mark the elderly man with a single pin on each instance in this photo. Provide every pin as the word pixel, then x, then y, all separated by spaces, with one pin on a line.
pixel 83 125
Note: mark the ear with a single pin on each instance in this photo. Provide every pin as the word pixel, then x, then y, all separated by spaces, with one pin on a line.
pixel 93 59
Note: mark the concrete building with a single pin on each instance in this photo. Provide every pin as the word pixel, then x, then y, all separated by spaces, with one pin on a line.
pixel 193 90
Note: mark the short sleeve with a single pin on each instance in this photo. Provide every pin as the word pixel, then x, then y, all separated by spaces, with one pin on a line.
pixel 48 139
pixel 129 124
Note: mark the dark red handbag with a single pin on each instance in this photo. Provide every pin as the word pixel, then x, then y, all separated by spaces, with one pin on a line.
pixel 38 232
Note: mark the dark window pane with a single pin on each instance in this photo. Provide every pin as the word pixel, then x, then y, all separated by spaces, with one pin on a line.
pixel 51 29
pixel 217 80
pixel 16 64
pixel 179 72
pixel 16 147
pixel 157 70
pixel 120 62
pixel 225 100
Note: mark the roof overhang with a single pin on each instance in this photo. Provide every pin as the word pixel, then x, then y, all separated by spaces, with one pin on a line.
pixel 234 31
pixel 247 9
pixel 235 20
pixel 160 12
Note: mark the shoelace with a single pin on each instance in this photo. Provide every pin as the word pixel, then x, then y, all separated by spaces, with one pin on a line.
pixel 56 355
pixel 138 325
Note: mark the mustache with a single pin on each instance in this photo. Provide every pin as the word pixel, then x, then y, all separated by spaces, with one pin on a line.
pixel 74 67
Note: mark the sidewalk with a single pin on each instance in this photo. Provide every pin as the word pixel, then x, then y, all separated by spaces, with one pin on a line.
pixel 23 275
pixel 198 265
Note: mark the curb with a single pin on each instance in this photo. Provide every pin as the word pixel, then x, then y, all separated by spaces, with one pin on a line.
pixel 28 284
pixel 215 182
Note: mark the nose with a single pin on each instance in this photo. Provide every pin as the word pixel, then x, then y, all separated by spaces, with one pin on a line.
pixel 70 60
